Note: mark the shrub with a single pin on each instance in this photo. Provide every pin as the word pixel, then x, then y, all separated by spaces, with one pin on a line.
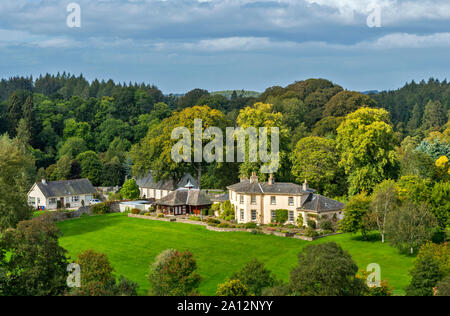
pixel 326 224
pixel 67 205
pixel 223 225
pixel 227 210
pixel 194 218
pixel 300 220
pixel 130 190
pixel 255 277
pixel 232 288
pixel 135 211
pixel 251 225
pixel 174 273
pixel 160 215
pixel 310 232
pixel 101 208
pixel 229 218
pixel 213 221
pixel 312 275
pixel 281 216
pixel 311 224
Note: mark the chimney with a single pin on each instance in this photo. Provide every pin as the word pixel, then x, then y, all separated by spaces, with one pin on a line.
pixel 305 186
pixel 243 178
pixel 44 181
pixel 254 178
pixel 271 180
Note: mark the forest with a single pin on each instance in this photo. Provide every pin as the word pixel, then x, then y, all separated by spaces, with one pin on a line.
pixel 107 131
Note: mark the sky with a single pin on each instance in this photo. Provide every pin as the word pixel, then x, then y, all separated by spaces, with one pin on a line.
pixel 179 45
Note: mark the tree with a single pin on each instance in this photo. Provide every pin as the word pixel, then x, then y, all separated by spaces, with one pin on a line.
pixel 113 173
pixel 317 160
pixel 190 99
pixel 37 263
pixel 63 168
pixel 384 200
pixel 72 147
pixel 257 116
pixel 16 176
pixel 414 188
pixel 434 148
pixel 255 277
pixel 440 202
pixel 130 190
pixel 97 277
pixel 431 266
pixel 434 116
pixel 154 152
pixel 410 226
pixel 91 167
pixel 325 270
pixel 357 216
pixel 232 288
pixel 367 144
pixel 346 102
pixel 14 112
pixel 174 274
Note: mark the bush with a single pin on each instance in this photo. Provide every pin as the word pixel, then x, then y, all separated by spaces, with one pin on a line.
pixel 310 232
pixel 213 221
pixel 101 208
pixel 311 224
pixel 227 210
pixel 255 277
pixel 232 288
pixel 281 216
pixel 160 215
pixel 251 226
pixel 194 218
pixel 174 273
pixel 326 224
pixel 223 225
pixel 135 211
pixel 229 218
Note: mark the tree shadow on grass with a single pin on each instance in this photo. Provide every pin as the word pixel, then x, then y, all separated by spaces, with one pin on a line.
pixel 84 225
pixel 371 237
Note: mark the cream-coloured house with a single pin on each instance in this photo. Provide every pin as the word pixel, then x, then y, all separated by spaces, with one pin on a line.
pixel 255 201
pixel 150 189
pixel 66 193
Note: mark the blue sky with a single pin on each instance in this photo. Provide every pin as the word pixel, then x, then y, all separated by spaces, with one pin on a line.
pixel 179 45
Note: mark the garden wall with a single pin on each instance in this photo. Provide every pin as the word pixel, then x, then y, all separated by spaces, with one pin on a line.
pixel 223 229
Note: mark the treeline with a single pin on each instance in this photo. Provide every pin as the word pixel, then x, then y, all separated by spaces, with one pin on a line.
pixel 76 128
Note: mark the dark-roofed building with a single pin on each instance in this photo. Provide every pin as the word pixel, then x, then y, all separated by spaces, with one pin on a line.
pixel 151 189
pixel 184 201
pixel 66 193
pixel 255 201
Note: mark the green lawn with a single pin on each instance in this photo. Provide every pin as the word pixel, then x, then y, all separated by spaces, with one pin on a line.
pixel 132 244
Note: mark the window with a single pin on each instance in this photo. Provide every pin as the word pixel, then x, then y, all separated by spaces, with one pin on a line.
pixel 32 200
pixel 253 215
pixel 241 199
pixel 273 215
pixel 242 215
pixel 291 216
pixel 273 200
pixel 75 198
pixel 52 201
pixel 253 201
pixel 38 201
pixel 291 201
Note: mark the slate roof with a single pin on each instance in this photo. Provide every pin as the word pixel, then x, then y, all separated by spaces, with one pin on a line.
pixel 66 187
pixel 318 203
pixel 245 186
pixel 182 196
pixel 148 182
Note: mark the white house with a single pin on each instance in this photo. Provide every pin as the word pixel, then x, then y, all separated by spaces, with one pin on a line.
pixel 66 193
pixel 255 201
pixel 150 189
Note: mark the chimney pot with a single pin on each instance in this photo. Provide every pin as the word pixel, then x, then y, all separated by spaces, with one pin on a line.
pixel 305 186
pixel 271 179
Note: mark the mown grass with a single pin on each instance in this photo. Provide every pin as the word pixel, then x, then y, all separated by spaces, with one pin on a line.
pixel 132 244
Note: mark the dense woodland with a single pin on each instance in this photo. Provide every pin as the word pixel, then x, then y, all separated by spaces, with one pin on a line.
pixel 106 131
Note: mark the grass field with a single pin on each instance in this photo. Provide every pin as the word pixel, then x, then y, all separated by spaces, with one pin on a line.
pixel 132 244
